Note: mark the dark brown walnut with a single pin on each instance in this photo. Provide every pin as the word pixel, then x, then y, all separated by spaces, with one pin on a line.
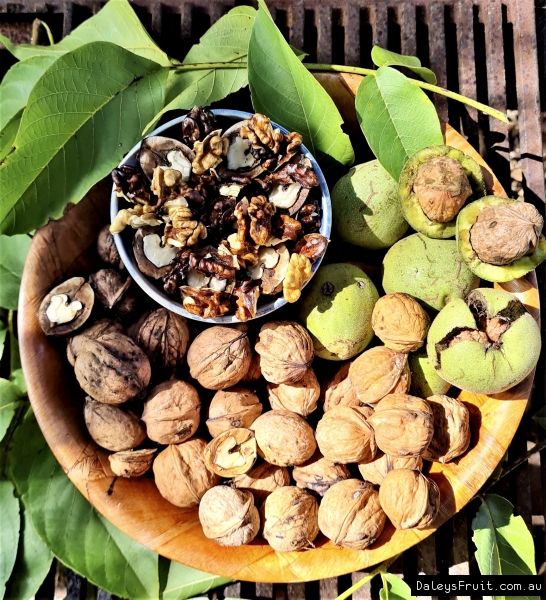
pixel 113 428
pixel 197 124
pixel 262 480
pixel 98 328
pixel 206 303
pixel 240 243
pixel 284 438
pixel 181 475
pixel 131 184
pixel 378 372
pixel 286 228
pixel 114 291
pixel 260 211
pixel 297 172
pixel 178 272
pixel 164 336
pixel 409 498
pixel 403 425
pixel 290 519
pixel 442 188
pixel 375 471
pixel 112 368
pixel 231 453
pixel 106 248
pixel 300 397
pixel 338 390
pixel 318 474
pixel 233 407
pixel 219 357
pixel 345 436
pixel 132 463
pixel 247 294
pixel 67 307
pixel 273 277
pixel 313 246
pixel 451 429
pixel 171 412
pixel 504 234
pixel 286 351
pixel 310 216
pixel 350 514
pixel 208 260
pixel 152 256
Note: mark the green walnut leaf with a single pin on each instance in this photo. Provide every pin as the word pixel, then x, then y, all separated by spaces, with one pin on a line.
pixel 85 112
pixel 10 399
pixel 13 253
pixel 540 417
pixel 9 532
pixel 3 334
pixel 394 588
pixel 183 582
pixel 8 135
pixel 284 90
pixel 386 58
pixel 396 117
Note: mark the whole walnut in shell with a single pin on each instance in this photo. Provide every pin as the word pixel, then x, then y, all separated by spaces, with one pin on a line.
pixel 375 471
pixel 114 291
pixel 286 351
pixel 409 498
pixel 403 425
pixel 231 453
pixel 234 407
pixel 112 368
pixel 254 372
pixel 113 428
pixel 338 390
pixel 350 514
pixel 451 429
pixel 290 519
pixel 228 516
pixel 378 372
pixel 171 412
pixel 400 322
pixel 131 463
pixel 181 475
pixel 284 438
pixel 262 480
pixel 319 474
pixel 99 328
pixel 106 248
pixel 344 435
pixel 164 337
pixel 300 397
pixel 219 357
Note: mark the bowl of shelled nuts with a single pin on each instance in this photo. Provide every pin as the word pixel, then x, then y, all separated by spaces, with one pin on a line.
pixel 221 216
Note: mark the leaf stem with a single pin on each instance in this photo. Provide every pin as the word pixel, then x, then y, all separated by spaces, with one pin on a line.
pixel 382 568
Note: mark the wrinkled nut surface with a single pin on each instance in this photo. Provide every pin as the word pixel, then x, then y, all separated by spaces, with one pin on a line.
pixel 286 351
pixel 254 372
pixel 113 428
pixel 106 248
pixel 231 453
pixel 284 438
pixel 378 372
pixel 300 397
pixel 290 519
pixel 375 471
pixel 75 344
pixel 451 429
pixel 403 425
pixel 132 463
pixel 181 475
pixel 299 271
pixel 219 357
pixel 262 480
pixel 319 474
pixel 112 368
pixel 109 287
pixel 171 412
pixel 234 407
pixel 409 498
pixel 338 390
pixel 350 514
pixel 67 307
pixel 228 516
pixel 400 322
pixel 344 435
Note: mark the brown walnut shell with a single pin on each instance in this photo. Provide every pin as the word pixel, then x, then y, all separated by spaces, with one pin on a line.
pixel 300 397
pixel 99 328
pixel 113 428
pixel 318 474
pixel 131 463
pixel 106 248
pixel 350 514
pixel 375 471
pixel 254 372
pixel 338 390
pixel 234 407
pixel 262 480
pixel 231 453
pixel 181 475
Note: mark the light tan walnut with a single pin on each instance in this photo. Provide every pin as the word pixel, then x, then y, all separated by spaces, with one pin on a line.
pixel 318 474
pixel 231 453
pixel 262 480
pixel 300 397
pixel 375 471
pixel 233 407
pixel 132 463
pixel 113 428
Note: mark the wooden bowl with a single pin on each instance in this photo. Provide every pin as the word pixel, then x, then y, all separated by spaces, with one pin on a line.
pixel 66 248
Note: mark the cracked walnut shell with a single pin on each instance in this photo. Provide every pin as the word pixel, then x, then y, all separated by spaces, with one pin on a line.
pixel 231 453
pixel 375 471
pixel 234 407
pixel 132 463
pixel 451 429
pixel 318 474
pixel 113 428
pixel 300 397
pixel 262 480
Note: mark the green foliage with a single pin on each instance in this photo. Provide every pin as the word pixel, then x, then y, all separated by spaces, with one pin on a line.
pixel 540 417
pixel 287 93
pixel 396 117
pixel 394 588
pixel 10 399
pixel 9 532
pixel 386 58
pixel 3 334
pixel 13 253
pixel 8 135
pixel 185 583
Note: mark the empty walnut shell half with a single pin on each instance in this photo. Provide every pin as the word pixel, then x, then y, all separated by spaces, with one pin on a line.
pixel 181 475
pixel 67 307
pixel 158 151
pixel 113 428
pixel 338 390
pixel 344 435
pixel 219 357
pixel 300 397
pixel 350 514
pixel 290 519
pixel 403 425
pixel 132 463
pixel 262 480
pixel 284 438
pixel 234 407
pixel 228 516
pixel 409 498
pixel 231 453
pixel 451 429
pixel 318 474
pixel 375 471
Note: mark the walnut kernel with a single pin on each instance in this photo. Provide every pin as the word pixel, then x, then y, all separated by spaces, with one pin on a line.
pixel 231 453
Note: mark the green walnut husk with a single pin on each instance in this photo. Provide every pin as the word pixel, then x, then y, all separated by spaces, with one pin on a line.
pixel 432 271
pixel 425 380
pixel 411 208
pixel 492 272
pixel 485 344
pixel 366 207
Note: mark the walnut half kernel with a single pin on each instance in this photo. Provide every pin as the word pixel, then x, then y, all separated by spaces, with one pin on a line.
pixel 67 307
